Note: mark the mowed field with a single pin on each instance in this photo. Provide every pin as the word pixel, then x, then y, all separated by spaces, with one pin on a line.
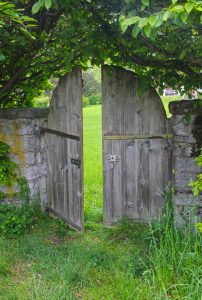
pixel 92 132
pixel 92 147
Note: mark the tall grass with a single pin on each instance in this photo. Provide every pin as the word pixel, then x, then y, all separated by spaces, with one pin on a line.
pixel 175 254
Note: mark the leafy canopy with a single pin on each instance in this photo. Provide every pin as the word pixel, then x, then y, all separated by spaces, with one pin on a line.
pixel 159 40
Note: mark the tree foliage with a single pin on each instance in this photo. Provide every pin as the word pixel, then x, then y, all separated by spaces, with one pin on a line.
pixel 159 40
pixel 167 35
pixel 90 84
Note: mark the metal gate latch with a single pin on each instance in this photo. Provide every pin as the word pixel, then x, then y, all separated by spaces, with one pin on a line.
pixel 76 162
pixel 112 157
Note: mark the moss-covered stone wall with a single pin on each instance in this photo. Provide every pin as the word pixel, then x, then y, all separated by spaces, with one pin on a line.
pixel 20 129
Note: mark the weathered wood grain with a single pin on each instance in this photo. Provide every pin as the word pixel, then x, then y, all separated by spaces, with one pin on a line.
pixel 65 180
pixel 134 185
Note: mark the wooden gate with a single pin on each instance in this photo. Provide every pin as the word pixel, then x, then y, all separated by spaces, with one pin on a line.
pixel 64 136
pixel 137 154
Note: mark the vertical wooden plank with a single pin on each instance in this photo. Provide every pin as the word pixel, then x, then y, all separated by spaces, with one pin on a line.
pixel 134 185
pixel 65 191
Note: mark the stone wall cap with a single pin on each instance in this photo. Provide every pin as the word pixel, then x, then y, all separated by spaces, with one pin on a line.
pixel 184 106
pixel 24 112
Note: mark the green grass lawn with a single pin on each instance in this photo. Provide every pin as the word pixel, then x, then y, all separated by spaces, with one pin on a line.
pixel 92 146
pixel 42 101
pixel 166 100
pixel 128 262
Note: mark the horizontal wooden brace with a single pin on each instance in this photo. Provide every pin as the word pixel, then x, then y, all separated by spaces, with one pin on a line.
pixel 60 133
pixel 137 136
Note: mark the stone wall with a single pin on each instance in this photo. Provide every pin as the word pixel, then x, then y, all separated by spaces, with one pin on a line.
pixel 187 142
pixel 20 129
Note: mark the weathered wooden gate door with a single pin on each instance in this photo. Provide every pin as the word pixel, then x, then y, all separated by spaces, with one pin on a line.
pixel 64 135
pixel 135 168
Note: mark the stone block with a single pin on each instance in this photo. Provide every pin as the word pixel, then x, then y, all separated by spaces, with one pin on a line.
pixel 183 164
pixel 22 127
pixel 31 143
pixel 182 129
pixel 5 128
pixel 182 149
pixel 38 184
pixel 33 172
pixel 43 141
pixel 181 181
pixel 174 120
pixel 184 139
pixel 23 159
pixel 38 158
pixel 184 199
pixel 177 151
pixel 24 112
pixel 184 106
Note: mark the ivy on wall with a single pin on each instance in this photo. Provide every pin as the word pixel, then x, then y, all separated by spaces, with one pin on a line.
pixel 7 167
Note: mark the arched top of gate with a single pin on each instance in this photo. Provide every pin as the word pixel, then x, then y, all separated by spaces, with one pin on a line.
pixel 148 110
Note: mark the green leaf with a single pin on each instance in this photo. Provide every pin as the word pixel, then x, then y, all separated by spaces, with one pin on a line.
pixel 130 21
pixel 69 67
pixel 200 18
pixel 48 3
pixel 174 1
pixel 35 8
pixel 178 21
pixel 160 90
pixel 176 15
pixel 101 53
pixel 89 1
pixel 135 31
pixel 152 34
pixel 139 92
pixel 142 7
pixel 25 18
pixel 178 7
pixel 188 118
pixel 152 21
pixel 158 23
pixel 31 25
pixel 143 22
pixel 182 54
pixel 147 30
pixel 6 34
pixel 189 6
pixel 166 15
pixel 132 13
pixel 183 15
pixel 90 40
pixel 43 34
pixel 124 27
pixel 145 2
